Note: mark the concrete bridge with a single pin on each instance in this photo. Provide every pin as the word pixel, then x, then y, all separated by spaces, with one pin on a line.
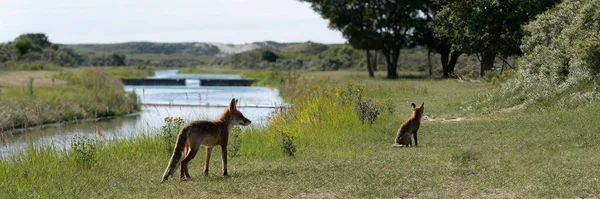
pixel 181 82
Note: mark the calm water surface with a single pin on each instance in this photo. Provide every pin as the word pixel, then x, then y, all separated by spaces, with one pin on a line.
pixel 190 102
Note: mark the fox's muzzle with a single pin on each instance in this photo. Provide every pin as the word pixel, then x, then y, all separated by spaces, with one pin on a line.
pixel 246 122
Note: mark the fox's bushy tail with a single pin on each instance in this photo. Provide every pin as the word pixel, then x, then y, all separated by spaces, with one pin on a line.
pixel 177 153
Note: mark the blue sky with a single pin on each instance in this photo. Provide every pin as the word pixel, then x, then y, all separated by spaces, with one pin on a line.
pixel 112 21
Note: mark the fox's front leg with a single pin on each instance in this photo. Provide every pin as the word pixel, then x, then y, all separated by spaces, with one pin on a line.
pixel 224 158
pixel 207 160
pixel 416 142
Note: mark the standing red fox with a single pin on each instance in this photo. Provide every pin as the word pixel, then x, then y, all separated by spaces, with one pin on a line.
pixel 411 126
pixel 208 134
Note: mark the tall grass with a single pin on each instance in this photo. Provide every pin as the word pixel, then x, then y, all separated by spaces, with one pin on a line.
pixel 88 93
pixel 86 171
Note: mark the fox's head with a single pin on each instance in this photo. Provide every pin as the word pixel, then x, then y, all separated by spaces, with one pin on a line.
pixel 237 118
pixel 418 111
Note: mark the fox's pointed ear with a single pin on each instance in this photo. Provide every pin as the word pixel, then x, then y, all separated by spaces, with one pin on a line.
pixel 413 105
pixel 232 104
pixel 422 104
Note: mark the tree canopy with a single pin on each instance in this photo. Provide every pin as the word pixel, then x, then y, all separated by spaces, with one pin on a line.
pixel 487 27
pixel 386 26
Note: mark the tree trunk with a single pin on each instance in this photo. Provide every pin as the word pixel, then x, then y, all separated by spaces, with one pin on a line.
pixel 369 68
pixel 392 63
pixel 444 57
pixel 429 62
pixel 375 61
pixel 444 50
pixel 487 62
pixel 453 59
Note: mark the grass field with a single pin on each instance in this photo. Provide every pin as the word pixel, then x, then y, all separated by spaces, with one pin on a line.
pixel 30 98
pixel 521 152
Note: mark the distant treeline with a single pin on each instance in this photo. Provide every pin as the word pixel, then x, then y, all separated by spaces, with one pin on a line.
pixel 36 47
pixel 170 54
pixel 257 55
pixel 198 49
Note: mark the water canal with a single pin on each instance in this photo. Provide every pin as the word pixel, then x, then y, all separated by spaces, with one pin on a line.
pixel 190 102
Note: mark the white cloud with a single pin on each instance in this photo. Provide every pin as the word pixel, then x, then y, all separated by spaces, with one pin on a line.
pixel 109 21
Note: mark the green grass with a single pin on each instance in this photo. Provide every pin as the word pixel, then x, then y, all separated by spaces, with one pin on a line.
pixel 29 66
pixel 209 70
pixel 129 72
pixel 523 153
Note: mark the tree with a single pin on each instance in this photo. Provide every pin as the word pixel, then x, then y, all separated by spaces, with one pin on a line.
pixel 30 42
pixel 395 23
pixel 22 45
pixel 269 56
pixel 39 39
pixel 487 28
pixel 440 44
pixel 117 59
pixel 386 26
pixel 354 19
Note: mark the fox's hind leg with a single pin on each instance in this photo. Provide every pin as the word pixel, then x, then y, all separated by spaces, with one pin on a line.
pixel 191 154
pixel 406 140
pixel 398 139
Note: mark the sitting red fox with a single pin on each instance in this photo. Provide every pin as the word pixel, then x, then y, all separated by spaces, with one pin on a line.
pixel 411 126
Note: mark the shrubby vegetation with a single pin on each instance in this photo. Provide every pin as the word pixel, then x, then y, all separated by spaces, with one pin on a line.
pixel 336 58
pixel 561 61
pixel 198 49
pixel 309 55
pixel 36 47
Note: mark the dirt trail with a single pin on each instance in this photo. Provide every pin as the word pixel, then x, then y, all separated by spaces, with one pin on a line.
pixel 460 119
pixel 432 119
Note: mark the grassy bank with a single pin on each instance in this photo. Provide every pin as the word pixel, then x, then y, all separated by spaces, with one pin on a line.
pixel 129 72
pixel 29 98
pixel 268 78
pixel 321 149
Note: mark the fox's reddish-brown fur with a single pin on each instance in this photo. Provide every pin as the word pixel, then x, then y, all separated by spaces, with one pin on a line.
pixel 410 127
pixel 208 134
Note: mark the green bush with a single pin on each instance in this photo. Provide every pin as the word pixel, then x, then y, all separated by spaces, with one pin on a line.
pixel 561 56
pixel 170 131
pixel 235 142
pixel 288 146
pixel 84 151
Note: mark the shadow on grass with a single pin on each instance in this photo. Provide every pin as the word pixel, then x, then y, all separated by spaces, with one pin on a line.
pixel 413 77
